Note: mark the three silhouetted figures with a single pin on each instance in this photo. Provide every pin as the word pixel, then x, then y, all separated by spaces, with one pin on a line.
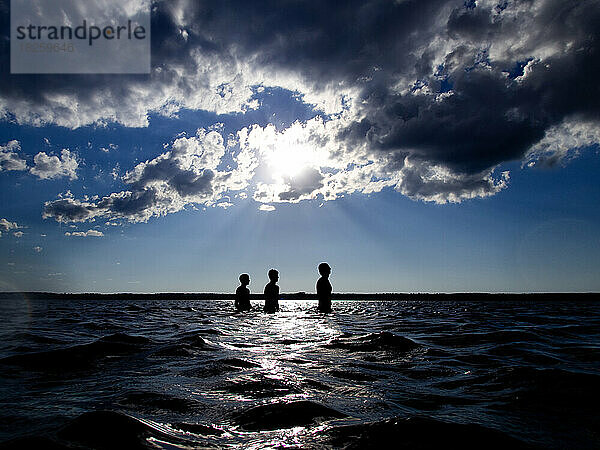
pixel 271 292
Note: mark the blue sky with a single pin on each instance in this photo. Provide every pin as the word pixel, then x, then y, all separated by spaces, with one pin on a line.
pixel 448 155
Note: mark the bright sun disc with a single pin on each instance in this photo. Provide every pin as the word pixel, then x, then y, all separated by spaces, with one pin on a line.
pixel 287 162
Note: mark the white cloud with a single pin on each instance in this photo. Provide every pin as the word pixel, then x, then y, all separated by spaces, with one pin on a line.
pixel 18 234
pixel 222 82
pixel 7 225
pixel 109 148
pixel 37 249
pixel 49 167
pixel 88 233
pixel 186 174
pixel 438 184
pixel 304 185
pixel 45 166
pixel 207 82
pixel 264 207
pixel 563 142
pixel 308 159
pixel 114 173
pixel 9 157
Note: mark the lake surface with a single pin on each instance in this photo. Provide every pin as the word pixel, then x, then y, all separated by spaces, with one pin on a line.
pixel 187 374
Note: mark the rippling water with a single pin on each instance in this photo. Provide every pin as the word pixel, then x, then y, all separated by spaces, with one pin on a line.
pixel 169 374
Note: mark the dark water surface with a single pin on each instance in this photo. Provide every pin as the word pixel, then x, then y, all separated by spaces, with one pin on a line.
pixel 188 374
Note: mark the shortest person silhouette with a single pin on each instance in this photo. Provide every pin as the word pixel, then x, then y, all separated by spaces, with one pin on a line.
pixel 242 294
pixel 272 292
pixel 324 288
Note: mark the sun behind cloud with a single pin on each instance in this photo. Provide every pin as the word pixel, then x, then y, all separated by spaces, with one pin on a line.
pixel 290 153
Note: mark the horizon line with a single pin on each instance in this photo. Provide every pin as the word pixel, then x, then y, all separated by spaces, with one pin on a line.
pixel 298 293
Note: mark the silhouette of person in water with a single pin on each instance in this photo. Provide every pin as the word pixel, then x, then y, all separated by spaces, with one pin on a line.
pixel 242 294
pixel 272 292
pixel 324 288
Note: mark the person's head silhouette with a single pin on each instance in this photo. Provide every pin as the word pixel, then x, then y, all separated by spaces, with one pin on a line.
pixel 273 275
pixel 245 279
pixel 324 269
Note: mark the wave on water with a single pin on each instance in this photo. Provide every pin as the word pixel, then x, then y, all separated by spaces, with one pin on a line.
pixel 187 345
pixel 220 367
pixel 373 342
pixel 420 433
pixel 100 430
pixel 79 356
pixel 263 387
pixel 195 374
pixel 274 416
pixel 152 401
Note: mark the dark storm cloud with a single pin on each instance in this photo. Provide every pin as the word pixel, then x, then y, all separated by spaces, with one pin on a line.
pixel 184 182
pixel 304 184
pixel 483 123
pixel 490 117
pixel 323 40
pixel 450 86
pixel 69 210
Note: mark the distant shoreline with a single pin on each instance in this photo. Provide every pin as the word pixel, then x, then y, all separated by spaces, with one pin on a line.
pixel 468 296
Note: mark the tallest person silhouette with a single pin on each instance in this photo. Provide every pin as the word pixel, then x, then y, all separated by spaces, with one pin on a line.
pixel 324 288
pixel 272 292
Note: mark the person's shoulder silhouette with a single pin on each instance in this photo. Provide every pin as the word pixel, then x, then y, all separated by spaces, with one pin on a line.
pixel 324 288
pixel 272 292
pixel 242 294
